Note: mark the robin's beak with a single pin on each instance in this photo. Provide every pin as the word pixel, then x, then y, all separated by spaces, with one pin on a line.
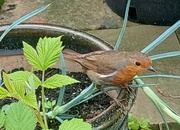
pixel 150 68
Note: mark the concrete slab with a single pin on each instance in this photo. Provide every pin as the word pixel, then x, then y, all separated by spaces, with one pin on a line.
pixel 178 34
pixel 77 14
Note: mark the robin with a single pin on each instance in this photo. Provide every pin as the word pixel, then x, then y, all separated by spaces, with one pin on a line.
pixel 109 68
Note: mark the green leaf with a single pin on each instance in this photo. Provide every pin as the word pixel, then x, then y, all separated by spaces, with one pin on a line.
pixel 53 102
pixel 133 123
pixel 23 76
pixel 46 105
pixel 47 54
pixel 4 93
pixel 8 83
pixel 5 108
pixel 2 118
pixel 20 117
pixel 50 104
pixel 131 117
pixel 30 86
pixel 75 124
pixel 1 3
pixel 58 81
pixel 144 123
pixel 19 88
pixel 30 99
pixel 49 51
pixel 31 55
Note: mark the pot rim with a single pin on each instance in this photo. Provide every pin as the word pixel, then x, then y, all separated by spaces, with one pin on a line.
pixel 67 30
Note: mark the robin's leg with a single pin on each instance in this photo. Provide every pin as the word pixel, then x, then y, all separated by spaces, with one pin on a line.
pixel 130 89
pixel 113 92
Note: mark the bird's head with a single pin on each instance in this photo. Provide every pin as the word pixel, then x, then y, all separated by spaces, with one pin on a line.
pixel 142 63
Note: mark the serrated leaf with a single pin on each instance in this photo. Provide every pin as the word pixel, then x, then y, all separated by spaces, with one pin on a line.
pixel 30 99
pixel 30 86
pixel 75 124
pixel 31 55
pixel 49 51
pixel 20 117
pixel 8 83
pixel 23 76
pixel 47 54
pixel 2 118
pixel 58 81
pixel 19 88
pixel 3 93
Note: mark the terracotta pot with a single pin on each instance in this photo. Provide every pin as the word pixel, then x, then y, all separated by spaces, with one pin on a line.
pixel 11 57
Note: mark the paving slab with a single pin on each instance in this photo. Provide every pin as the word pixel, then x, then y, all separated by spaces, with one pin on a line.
pixel 178 34
pixel 77 14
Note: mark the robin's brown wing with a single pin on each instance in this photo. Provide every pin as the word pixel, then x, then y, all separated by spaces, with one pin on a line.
pixel 104 62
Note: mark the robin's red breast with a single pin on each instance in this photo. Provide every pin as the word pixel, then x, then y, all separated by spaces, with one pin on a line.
pixel 109 67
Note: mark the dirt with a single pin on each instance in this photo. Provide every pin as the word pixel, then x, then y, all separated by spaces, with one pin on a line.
pixel 85 110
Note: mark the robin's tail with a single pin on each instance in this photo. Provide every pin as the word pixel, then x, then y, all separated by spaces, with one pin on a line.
pixel 70 57
pixel 70 54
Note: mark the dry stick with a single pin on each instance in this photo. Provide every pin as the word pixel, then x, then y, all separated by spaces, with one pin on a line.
pixel 160 91
pixel 102 113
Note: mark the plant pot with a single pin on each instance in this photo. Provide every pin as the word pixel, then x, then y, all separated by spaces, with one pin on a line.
pixel 158 12
pixel 10 56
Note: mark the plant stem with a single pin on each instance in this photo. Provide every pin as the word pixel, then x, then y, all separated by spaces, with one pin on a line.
pixel 73 102
pixel 43 103
pixel 161 38
pixel 123 29
pixel 157 101
pixel 62 89
pixel 39 117
pixel 22 19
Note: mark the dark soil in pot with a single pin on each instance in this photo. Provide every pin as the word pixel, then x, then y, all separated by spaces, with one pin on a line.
pixel 86 110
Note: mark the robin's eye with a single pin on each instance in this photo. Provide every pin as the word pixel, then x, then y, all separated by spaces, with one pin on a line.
pixel 137 63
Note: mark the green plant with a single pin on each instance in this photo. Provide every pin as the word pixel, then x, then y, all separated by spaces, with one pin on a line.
pixel 135 124
pixel 17 116
pixel 25 83
pixel 22 85
pixel 1 3
pixel 50 104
